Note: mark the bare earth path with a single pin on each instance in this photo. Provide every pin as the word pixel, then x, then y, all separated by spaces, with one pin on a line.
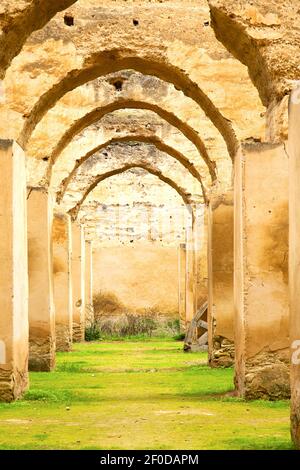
pixel 139 395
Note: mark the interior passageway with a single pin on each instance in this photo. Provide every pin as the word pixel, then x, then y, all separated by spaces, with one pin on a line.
pixel 149 221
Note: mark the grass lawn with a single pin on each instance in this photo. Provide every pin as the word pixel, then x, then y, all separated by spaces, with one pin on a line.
pixel 139 395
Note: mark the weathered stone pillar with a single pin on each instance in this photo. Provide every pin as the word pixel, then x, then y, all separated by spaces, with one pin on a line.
pixel 78 282
pixel 261 272
pixel 89 311
pixel 190 276
pixel 40 268
pixel 13 273
pixel 61 236
pixel 200 244
pixel 196 339
pixel 294 261
pixel 181 284
pixel 220 281
pixel 196 278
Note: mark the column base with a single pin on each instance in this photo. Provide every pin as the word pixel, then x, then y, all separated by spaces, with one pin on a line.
pixel 41 354
pixel 222 353
pixel 63 338
pixel 267 376
pixel 13 384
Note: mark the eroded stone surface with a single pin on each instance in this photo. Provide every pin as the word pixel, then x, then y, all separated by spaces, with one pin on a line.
pixel 222 352
pixel 268 376
pixel 41 350
pixel 63 338
pixel 265 37
pixel 13 384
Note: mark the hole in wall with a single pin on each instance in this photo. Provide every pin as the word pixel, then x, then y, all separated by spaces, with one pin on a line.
pixel 69 20
pixel 117 83
pixel 206 23
pixel 135 22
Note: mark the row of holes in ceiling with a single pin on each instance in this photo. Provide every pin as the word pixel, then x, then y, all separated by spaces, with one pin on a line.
pixel 69 21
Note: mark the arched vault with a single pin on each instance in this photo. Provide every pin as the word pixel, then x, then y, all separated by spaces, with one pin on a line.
pixel 100 112
pixel 185 196
pixel 158 143
pixel 119 155
pixel 103 63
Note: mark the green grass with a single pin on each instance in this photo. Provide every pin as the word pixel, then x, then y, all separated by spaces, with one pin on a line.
pixel 139 395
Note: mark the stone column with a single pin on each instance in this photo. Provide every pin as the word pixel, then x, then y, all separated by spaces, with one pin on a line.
pixel 196 262
pixel 61 235
pixel 200 244
pixel 40 268
pixel 294 262
pixel 89 312
pixel 220 281
pixel 181 284
pixel 190 276
pixel 261 272
pixel 13 273
pixel 78 282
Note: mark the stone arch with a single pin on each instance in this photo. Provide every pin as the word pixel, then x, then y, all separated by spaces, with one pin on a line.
pixel 103 63
pixel 185 196
pixel 116 155
pixel 159 144
pixel 98 113
pixel 18 26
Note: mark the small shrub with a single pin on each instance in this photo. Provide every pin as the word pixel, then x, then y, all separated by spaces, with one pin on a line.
pixel 114 320
pixel 92 332
pixel 126 324
pixel 179 337
pixel 137 325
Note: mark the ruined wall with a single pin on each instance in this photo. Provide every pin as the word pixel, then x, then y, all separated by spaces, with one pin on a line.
pixel 143 277
pixel 136 231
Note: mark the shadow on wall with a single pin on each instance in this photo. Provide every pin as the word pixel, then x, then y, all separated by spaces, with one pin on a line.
pixel 113 318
